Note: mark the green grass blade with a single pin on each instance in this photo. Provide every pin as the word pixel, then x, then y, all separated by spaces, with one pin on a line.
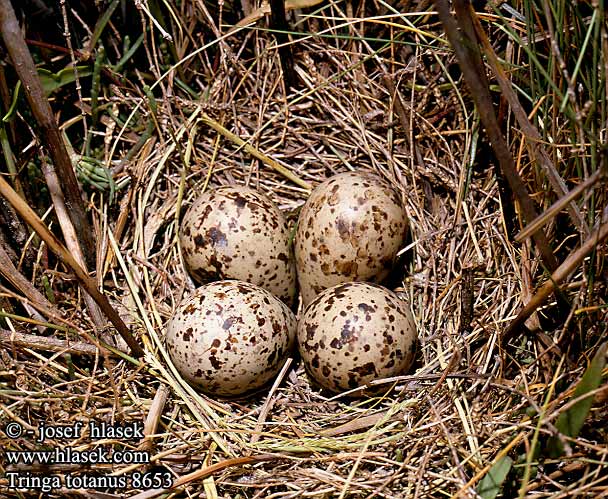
pixel 580 57
pixel 101 24
pixel 53 81
pixel 571 421
pixel 491 484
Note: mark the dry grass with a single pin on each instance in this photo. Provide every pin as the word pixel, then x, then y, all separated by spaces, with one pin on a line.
pixel 432 433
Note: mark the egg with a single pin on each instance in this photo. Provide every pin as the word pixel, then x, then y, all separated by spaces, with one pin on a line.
pixel 235 232
pixel 230 337
pixel 350 229
pixel 354 333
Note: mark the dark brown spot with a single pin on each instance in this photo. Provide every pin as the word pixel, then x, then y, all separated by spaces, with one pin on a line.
pixel 271 358
pixel 215 363
pixel 188 334
pixel 240 201
pixel 207 211
pixel 347 268
pixel 347 333
pixel 310 331
pixel 190 309
pixel 343 230
pixel 365 369
pixel 364 307
pixel 217 237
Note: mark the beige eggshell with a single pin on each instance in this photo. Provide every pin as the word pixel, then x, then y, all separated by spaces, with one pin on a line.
pixel 235 232
pixel 230 337
pixel 350 229
pixel 354 333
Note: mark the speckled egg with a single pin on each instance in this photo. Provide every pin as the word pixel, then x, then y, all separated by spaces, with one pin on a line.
pixel 235 232
pixel 230 337
pixel 350 229
pixel 354 333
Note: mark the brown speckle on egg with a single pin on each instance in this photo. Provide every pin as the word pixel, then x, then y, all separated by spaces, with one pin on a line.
pixel 367 333
pixel 235 232
pixel 350 229
pixel 233 343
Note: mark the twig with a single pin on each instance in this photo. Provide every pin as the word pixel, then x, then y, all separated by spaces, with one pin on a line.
pixel 69 235
pixel 254 152
pixel 278 22
pixel 463 46
pixel 558 206
pixel 530 132
pixel 26 70
pixel 60 250
pixel 47 343
pixel 596 238
pixel 269 402
pixel 401 113
pixel 12 275
pixel 156 411
pixel 204 473
pixel 356 424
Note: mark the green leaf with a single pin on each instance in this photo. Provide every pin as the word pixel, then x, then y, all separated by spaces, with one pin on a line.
pixel 53 81
pixel 571 421
pixel 101 24
pixel 50 83
pixel 490 485
pixel 13 109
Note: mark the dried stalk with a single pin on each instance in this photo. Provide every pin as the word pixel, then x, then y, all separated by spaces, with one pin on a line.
pixel 61 251
pixel 560 274
pixel 26 70
pixel 466 50
pixel 534 141
pixel 278 22
pixel 69 235
pixel 48 344
pixel 559 205
pixel 204 473
pixel 12 275
pixel 254 152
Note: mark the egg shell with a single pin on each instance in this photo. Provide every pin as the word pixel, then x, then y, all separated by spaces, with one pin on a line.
pixel 354 333
pixel 235 232
pixel 230 337
pixel 350 229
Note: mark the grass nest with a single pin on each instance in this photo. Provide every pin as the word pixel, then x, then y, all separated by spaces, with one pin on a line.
pixel 378 89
